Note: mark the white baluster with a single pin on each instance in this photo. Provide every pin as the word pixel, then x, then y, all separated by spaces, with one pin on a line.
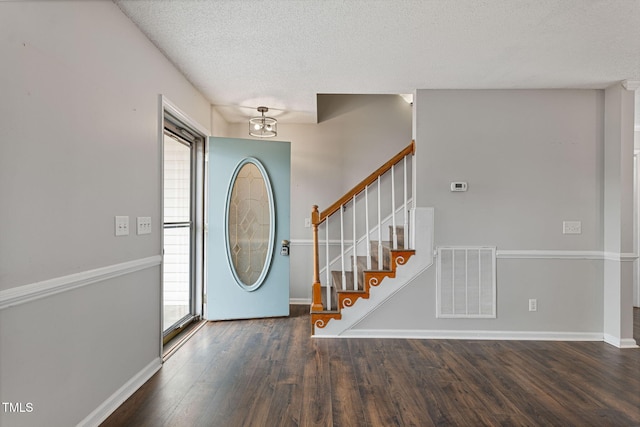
pixel 329 281
pixel 394 234
pixel 405 207
pixel 380 264
pixel 355 247
pixel 344 279
pixel 367 229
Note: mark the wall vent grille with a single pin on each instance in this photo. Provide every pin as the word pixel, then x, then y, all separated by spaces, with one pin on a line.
pixel 466 282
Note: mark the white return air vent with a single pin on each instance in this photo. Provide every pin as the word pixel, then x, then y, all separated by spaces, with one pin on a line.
pixel 466 282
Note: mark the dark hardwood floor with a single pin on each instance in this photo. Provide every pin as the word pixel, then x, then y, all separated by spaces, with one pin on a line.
pixel 269 372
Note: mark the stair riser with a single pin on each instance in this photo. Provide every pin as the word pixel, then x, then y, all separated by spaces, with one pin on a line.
pixel 334 298
pixel 386 256
pixel 400 235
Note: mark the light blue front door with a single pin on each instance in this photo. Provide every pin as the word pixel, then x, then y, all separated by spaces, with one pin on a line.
pixel 248 218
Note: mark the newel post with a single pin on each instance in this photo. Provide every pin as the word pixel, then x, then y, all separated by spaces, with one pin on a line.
pixel 317 291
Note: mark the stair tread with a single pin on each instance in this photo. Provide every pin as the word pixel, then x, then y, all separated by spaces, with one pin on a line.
pixel 357 291
pixel 326 312
pixel 334 297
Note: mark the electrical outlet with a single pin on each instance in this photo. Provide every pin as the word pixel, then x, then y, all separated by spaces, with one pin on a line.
pixel 307 222
pixel 458 186
pixel 533 304
pixel 571 227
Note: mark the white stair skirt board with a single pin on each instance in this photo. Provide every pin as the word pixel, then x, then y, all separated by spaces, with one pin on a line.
pixel 422 218
pixel 103 411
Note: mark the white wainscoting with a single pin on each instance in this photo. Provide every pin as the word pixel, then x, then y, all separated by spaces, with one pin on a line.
pixel 550 254
pixel 525 253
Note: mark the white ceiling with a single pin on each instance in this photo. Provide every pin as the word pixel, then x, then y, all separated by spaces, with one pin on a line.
pixel 281 53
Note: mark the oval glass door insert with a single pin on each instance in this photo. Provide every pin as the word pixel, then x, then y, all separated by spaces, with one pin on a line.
pixel 250 224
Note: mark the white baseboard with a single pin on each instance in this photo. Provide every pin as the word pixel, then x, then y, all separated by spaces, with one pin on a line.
pixel 620 342
pixel 300 301
pixel 103 411
pixel 471 335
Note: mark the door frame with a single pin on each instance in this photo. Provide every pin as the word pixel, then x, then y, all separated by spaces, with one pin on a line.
pixel 636 227
pixel 166 107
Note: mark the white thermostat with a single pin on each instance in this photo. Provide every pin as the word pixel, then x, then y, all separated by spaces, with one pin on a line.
pixel 458 186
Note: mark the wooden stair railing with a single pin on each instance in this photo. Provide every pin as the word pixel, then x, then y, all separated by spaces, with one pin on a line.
pixel 372 277
pixel 410 149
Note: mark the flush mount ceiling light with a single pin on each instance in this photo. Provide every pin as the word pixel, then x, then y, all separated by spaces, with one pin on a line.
pixel 263 127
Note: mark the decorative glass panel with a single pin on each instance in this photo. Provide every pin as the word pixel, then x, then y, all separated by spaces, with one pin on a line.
pixel 250 224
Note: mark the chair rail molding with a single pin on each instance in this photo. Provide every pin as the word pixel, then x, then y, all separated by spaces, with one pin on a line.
pixel 564 254
pixel 26 293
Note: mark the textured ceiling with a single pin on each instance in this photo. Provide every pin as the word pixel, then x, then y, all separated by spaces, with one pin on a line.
pixel 281 53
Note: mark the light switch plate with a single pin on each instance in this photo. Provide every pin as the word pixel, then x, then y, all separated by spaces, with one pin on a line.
pixel 122 225
pixel 143 224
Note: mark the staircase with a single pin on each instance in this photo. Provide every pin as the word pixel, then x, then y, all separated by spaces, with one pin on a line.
pixel 355 257
pixel 346 296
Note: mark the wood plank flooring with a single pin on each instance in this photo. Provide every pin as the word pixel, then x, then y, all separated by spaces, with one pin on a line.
pixel 269 372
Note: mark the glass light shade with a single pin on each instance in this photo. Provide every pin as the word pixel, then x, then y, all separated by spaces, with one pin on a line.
pixel 263 127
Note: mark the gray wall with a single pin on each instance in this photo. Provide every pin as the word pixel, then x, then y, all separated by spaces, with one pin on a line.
pixel 355 135
pixel 79 120
pixel 532 158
